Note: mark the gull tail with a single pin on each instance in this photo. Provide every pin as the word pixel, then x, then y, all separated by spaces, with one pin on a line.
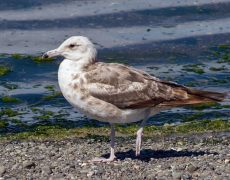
pixel 208 95
pixel 198 97
pixel 194 96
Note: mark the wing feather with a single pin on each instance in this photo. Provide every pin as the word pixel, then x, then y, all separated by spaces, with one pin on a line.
pixel 127 87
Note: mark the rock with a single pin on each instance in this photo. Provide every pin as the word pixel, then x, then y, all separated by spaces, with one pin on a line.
pixel 46 170
pixel 186 176
pixel 191 168
pixel 83 164
pixel 176 175
pixel 226 161
pixel 2 170
pixel 90 173
pixel 15 166
pixel 57 177
pixel 84 171
pixel 28 164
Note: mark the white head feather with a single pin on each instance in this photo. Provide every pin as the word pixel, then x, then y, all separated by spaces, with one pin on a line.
pixel 75 48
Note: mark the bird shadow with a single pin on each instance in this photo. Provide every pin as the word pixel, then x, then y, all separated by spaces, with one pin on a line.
pixel 148 154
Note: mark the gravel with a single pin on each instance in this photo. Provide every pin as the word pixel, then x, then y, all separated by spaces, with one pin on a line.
pixel 204 156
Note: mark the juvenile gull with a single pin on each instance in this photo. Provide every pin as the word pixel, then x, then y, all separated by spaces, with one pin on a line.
pixel 116 93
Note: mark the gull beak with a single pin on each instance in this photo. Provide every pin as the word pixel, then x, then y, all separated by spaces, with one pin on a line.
pixel 51 53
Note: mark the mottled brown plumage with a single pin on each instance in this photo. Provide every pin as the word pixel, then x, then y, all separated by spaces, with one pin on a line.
pixel 126 87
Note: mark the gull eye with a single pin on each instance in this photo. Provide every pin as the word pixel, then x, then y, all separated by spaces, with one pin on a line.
pixel 72 45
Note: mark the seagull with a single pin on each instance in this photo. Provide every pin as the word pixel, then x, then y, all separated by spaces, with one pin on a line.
pixel 116 93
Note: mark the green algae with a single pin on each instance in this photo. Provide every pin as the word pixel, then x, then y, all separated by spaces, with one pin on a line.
pixel 223 46
pixel 4 70
pixel 225 106
pixel 18 56
pixel 204 125
pixel 8 99
pixel 10 86
pixel 45 115
pixel 18 123
pixel 204 106
pixel 59 132
pixel 225 58
pixel 217 69
pixel 50 87
pixel 42 117
pixel 3 55
pixel 35 110
pixel 195 68
pixel 52 96
pixel 222 53
pixel 192 117
pixel 3 124
pixel 216 53
pixel 213 105
pixel 8 112
pixel 39 59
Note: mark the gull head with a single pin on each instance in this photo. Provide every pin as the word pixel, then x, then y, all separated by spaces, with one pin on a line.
pixel 75 48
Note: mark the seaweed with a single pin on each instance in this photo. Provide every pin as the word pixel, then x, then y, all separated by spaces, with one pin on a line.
pixel 8 99
pixel 59 132
pixel 8 112
pixel 4 70
pixel 196 68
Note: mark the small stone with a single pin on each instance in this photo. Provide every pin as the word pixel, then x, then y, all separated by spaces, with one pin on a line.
pixel 226 161
pixel 186 176
pixel 56 177
pixel 83 164
pixel 28 164
pixel 84 171
pixel 176 175
pixel 46 170
pixel 191 168
pixel 2 170
pixel 90 174
pixel 15 166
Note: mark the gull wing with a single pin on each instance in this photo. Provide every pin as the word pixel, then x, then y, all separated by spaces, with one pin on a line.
pixel 127 87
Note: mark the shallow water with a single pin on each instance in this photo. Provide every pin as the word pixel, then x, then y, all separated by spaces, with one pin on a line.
pixel 166 41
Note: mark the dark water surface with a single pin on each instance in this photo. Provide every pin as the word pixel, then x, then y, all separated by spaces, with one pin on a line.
pixel 186 43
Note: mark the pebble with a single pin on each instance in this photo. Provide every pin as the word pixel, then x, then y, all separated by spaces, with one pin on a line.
pixel 2 170
pixel 57 160
pixel 90 173
pixel 28 164
pixel 177 175
pixel 46 170
pixel 191 168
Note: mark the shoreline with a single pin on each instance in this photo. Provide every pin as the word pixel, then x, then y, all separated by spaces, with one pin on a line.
pixel 55 132
pixel 174 157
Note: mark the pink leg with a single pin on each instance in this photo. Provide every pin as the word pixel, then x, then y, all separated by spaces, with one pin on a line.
pixel 112 156
pixel 139 137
